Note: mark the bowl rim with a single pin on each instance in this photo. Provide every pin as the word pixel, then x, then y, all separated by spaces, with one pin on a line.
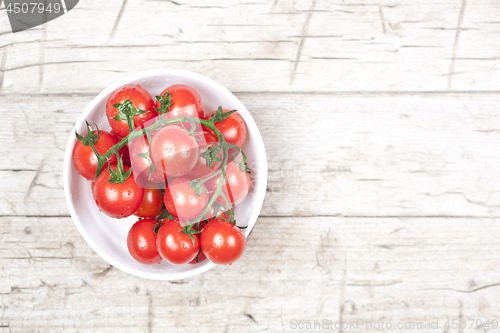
pixel 263 174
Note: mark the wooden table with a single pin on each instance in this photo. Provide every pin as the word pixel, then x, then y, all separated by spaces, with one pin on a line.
pixel 382 128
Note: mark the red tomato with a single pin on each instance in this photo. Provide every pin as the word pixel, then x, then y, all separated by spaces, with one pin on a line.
pixel 175 247
pixel 85 159
pixel 151 205
pixel 201 168
pixel 141 242
pixel 185 102
pixel 174 151
pixel 233 129
pixel 140 99
pixel 222 242
pixel 181 200
pixel 235 185
pixel 200 257
pixel 117 200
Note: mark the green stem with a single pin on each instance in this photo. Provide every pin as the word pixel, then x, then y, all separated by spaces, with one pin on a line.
pixel 130 122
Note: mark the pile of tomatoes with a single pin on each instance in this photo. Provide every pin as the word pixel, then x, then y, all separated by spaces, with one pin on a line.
pixel 179 171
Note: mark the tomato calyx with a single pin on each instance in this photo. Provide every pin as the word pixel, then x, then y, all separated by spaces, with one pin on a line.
pixel 118 176
pixel 197 186
pixel 220 115
pixel 127 111
pixel 165 103
pixel 90 138
pixel 211 155
pixel 188 229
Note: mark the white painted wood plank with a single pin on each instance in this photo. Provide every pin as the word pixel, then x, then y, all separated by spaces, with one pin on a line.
pixel 352 155
pixel 355 46
pixel 391 269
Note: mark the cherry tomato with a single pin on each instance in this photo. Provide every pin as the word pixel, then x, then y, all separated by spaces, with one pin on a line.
pixel 201 168
pixel 85 159
pixel 117 200
pixel 174 246
pixel 222 242
pixel 174 151
pixel 181 200
pixel 140 99
pixel 235 185
pixel 151 205
pixel 233 128
pixel 185 102
pixel 141 242
pixel 200 257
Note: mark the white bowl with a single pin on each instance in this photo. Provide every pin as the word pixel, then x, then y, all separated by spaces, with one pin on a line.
pixel 108 236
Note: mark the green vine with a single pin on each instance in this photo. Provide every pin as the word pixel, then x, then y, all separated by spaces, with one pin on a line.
pixel 127 111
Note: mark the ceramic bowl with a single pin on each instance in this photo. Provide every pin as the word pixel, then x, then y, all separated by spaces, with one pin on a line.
pixel 108 236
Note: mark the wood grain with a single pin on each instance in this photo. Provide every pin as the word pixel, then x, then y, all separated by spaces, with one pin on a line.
pixel 381 125
pixel 349 155
pixel 260 46
pixel 395 269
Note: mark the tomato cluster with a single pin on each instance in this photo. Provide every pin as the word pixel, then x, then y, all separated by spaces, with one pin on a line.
pixel 181 172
